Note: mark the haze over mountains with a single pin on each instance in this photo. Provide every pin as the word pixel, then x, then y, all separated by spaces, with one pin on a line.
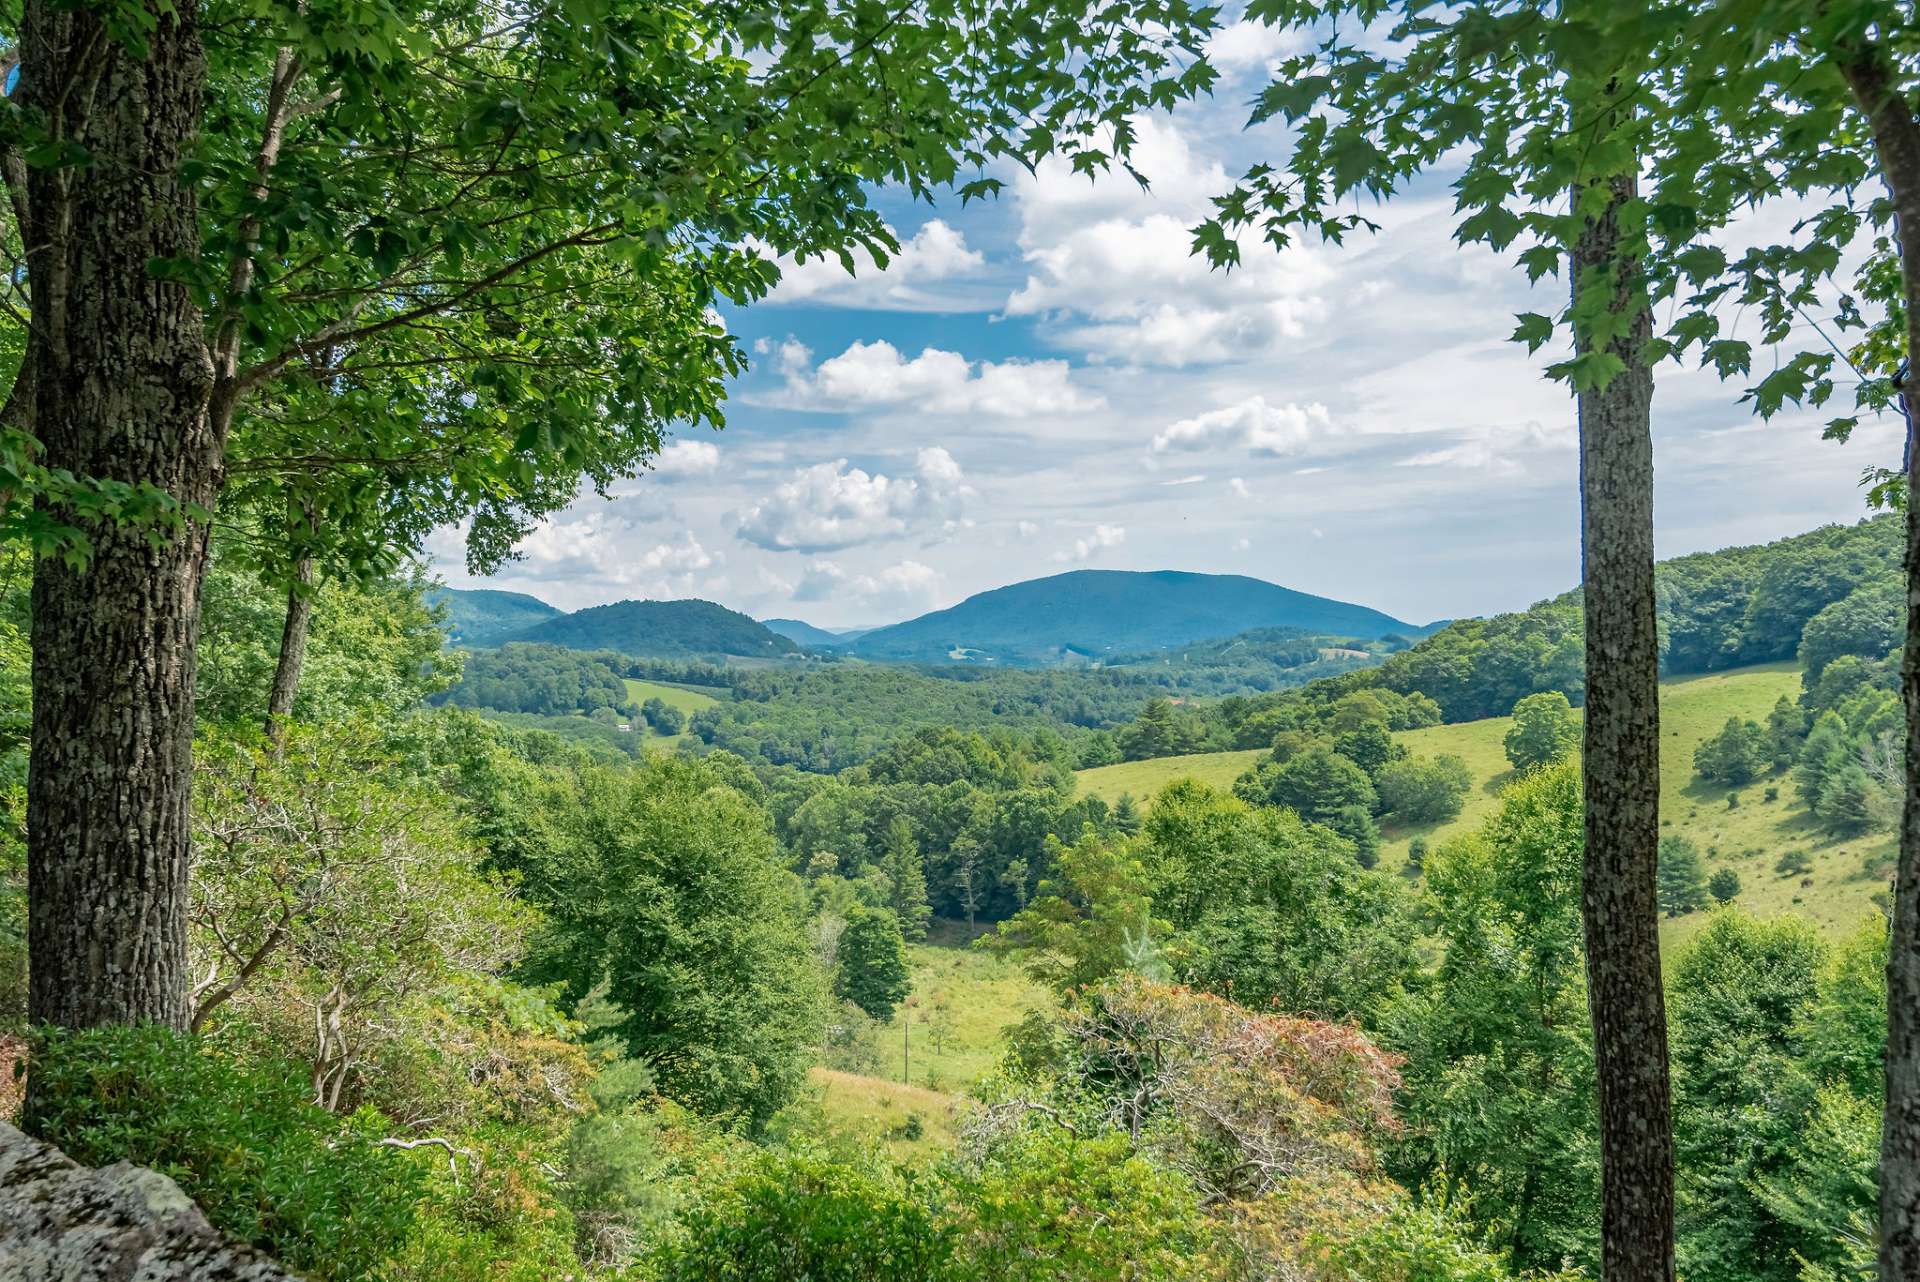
pixel 1079 617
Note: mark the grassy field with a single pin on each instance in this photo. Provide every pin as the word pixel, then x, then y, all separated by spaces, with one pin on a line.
pixel 1748 837
pixel 962 1001
pixel 689 699
pixel 1142 779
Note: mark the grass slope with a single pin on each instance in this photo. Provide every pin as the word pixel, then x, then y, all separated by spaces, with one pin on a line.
pixel 962 1001
pixel 689 699
pixel 1748 838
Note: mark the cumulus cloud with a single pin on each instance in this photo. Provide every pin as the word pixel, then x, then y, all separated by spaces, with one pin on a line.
pixel 598 545
pixel 938 252
pixel 1252 425
pixel 1241 45
pixel 902 586
pixel 831 506
pixel 1112 267
pixel 1239 489
pixel 877 375
pixel 1102 538
pixel 687 458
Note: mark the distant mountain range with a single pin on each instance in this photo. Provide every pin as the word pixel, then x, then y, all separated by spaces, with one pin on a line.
pixel 482 617
pixel 805 633
pixel 650 629
pixel 1081 617
pixel 1093 615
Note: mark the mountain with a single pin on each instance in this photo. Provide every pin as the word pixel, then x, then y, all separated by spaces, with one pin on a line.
pixel 1094 615
pixel 805 633
pixel 662 629
pixel 484 617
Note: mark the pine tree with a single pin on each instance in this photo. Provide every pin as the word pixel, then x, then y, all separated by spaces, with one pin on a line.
pixel 1846 799
pixel 1126 814
pixel 1682 883
pixel 906 880
pixel 1724 886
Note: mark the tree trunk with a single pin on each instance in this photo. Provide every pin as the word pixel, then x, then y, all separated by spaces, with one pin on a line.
pixel 121 384
pixel 1896 140
pixel 1622 778
pixel 293 651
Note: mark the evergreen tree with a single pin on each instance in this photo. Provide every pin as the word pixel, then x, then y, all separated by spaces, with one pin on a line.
pixel 1828 749
pixel 1126 815
pixel 1683 883
pixel 872 971
pixel 906 880
pixel 1846 799
pixel 1724 886
pixel 1786 729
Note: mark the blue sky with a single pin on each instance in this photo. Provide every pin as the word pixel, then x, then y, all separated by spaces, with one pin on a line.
pixel 1049 381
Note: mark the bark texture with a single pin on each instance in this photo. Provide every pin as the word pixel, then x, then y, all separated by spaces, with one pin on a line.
pixel 1896 139
pixel 1621 746
pixel 60 1222
pixel 121 379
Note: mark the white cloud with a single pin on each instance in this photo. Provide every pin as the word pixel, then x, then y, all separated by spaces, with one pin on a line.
pixel 1112 268
pixel 905 585
pixel 1500 450
pixel 1242 545
pixel 830 506
pixel 1238 488
pixel 1241 45
pixel 687 458
pixel 1252 425
pixel 1103 537
pixel 877 376
pixel 1195 479
pixel 937 252
pixel 597 546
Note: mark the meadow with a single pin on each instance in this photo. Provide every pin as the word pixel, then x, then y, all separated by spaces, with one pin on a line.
pixel 688 699
pixel 1737 828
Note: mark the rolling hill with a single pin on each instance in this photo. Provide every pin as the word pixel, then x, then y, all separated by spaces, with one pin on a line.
pixel 663 629
pixel 483 617
pixel 1093 615
pixel 1747 836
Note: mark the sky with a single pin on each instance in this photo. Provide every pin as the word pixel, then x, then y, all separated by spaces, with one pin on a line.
pixel 1050 381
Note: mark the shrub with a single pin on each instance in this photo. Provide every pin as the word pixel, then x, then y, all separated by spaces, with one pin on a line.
pixel 244 1142
pixel 1724 885
pixel 804 1216
pixel 1736 755
pixel 1772 794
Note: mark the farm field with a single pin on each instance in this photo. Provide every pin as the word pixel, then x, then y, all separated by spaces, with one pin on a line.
pixel 1748 836
pixel 688 699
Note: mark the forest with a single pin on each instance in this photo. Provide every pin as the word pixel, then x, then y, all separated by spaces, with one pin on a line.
pixel 1581 942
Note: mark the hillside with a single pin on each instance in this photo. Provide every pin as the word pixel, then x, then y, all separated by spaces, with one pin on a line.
pixel 663 629
pixel 480 617
pixel 1094 615
pixel 805 633
pixel 1748 837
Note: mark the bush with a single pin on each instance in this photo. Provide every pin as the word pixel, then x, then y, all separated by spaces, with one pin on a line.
pixel 1424 791
pixel 1724 885
pixel 803 1216
pixel 245 1143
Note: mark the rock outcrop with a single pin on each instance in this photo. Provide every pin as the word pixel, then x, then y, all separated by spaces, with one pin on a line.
pixel 63 1222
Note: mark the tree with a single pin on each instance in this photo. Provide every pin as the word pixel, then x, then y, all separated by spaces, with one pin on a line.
pixel 1737 755
pixel 1683 882
pixel 872 963
pixel 1724 886
pixel 1320 784
pixel 1846 800
pixel 1159 731
pixel 388 270
pixel 1786 727
pixel 1545 108
pixel 1126 815
pixel 1370 746
pixel 1870 623
pixel 1425 791
pixel 906 874
pixel 663 717
pixel 663 885
pixel 1544 731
